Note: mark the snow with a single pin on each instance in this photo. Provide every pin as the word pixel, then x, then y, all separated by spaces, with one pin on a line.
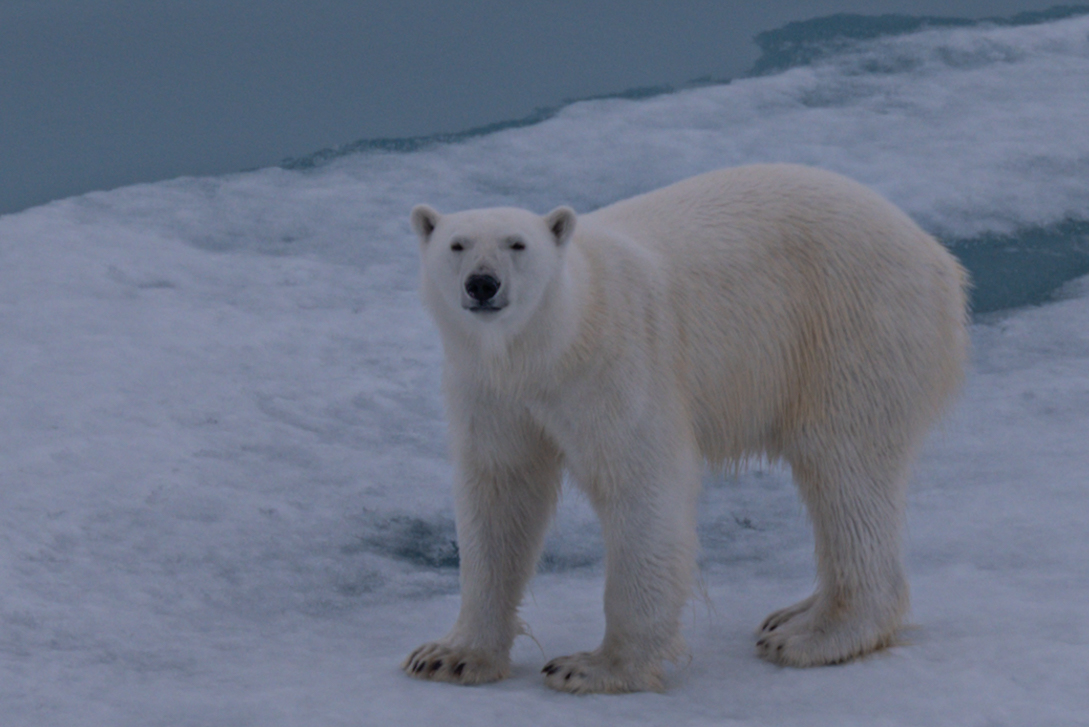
pixel 226 494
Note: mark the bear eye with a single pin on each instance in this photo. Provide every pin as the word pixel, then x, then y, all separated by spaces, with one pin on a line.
pixel 517 245
pixel 457 247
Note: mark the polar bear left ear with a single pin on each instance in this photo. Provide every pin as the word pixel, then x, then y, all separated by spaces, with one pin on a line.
pixel 424 220
pixel 561 223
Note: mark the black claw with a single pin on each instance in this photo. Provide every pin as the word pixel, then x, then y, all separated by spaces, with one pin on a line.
pixel 459 668
pixel 772 628
pixel 762 643
pixel 567 676
pixel 435 666
pixel 779 649
pixel 550 669
pixel 418 668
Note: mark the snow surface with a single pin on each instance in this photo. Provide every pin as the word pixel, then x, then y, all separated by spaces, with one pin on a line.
pixel 226 495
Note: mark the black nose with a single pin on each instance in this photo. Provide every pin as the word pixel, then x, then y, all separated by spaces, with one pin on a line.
pixel 482 288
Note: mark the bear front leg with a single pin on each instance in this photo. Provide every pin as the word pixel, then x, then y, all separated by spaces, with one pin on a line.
pixel 502 514
pixel 649 527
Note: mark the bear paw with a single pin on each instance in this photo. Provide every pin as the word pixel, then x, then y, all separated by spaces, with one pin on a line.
pixel 591 672
pixel 811 633
pixel 444 663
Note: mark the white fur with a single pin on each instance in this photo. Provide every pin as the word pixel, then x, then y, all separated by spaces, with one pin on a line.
pixel 774 311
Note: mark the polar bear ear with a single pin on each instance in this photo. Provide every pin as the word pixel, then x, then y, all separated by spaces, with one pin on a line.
pixel 561 223
pixel 424 220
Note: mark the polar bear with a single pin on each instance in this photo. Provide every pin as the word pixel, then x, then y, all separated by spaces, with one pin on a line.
pixel 765 311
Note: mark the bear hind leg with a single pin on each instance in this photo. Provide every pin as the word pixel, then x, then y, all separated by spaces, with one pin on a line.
pixel 862 594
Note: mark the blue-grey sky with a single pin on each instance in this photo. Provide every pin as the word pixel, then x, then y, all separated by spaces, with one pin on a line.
pixel 96 94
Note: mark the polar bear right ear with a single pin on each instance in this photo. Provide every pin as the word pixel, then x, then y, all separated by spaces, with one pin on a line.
pixel 424 221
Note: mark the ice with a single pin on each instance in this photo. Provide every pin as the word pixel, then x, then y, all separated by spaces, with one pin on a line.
pixel 225 486
pixel 963 128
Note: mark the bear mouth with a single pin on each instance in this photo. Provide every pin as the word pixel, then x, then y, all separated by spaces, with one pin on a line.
pixel 484 308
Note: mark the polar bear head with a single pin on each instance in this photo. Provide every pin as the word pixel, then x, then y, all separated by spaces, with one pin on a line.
pixel 489 269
